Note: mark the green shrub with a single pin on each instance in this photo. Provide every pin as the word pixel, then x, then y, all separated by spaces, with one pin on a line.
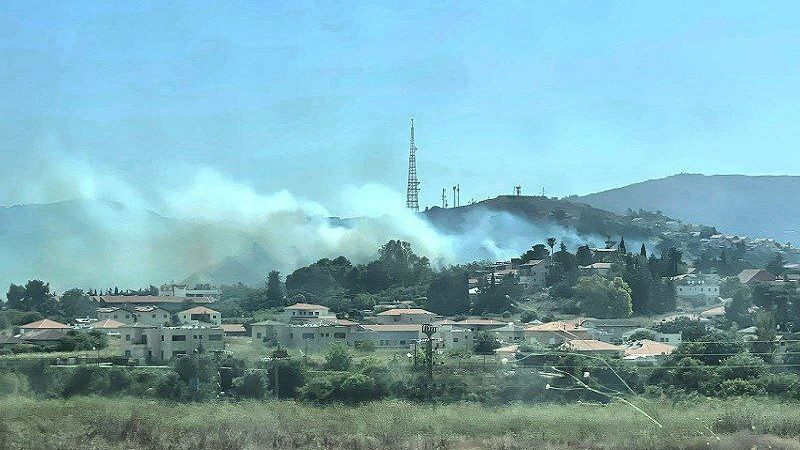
pixel 252 385
pixel 337 357
pixel 365 346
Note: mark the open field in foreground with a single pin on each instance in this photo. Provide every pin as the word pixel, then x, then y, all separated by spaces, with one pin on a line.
pixel 95 422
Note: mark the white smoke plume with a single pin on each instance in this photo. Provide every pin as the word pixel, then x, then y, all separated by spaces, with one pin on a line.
pixel 120 234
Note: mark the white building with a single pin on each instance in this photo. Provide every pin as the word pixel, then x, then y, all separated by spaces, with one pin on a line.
pixel 148 344
pixel 200 315
pixel 303 312
pixel 406 316
pixel 532 273
pixel 698 289
pixel 129 315
pixel 181 290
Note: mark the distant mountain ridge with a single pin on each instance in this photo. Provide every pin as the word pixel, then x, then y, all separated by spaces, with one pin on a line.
pixel 756 206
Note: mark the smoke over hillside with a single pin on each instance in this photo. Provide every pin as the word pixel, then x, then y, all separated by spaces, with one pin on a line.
pixel 220 230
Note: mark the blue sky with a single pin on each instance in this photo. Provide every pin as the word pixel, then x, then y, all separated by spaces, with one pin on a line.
pixel 574 97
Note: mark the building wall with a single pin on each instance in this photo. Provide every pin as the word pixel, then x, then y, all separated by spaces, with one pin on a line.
pixel 299 315
pixel 213 318
pixel 156 317
pixel 404 319
pixel 160 344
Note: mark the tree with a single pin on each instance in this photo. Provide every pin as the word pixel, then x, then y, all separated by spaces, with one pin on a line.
pixel 485 344
pixel 337 357
pixel 737 310
pixel 551 242
pixel 621 247
pixel 643 251
pixel 776 265
pixel 75 303
pixel 448 293
pixel 537 252
pixel 583 256
pixel 764 345
pixel 16 297
pixel 603 298
pixel 274 294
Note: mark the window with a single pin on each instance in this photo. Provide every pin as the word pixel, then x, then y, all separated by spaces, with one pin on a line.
pixel 402 342
pixel 338 335
pixel 115 316
pixel 127 337
pixel 154 316
pixel 455 340
pixel 258 335
pixel 179 352
pixel 308 335
pixel 178 337
pixel 214 337
pixel 162 338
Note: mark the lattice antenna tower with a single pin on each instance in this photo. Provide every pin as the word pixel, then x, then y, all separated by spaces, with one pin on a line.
pixel 412 193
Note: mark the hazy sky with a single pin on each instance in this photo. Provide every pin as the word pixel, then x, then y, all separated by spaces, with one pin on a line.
pixel 313 97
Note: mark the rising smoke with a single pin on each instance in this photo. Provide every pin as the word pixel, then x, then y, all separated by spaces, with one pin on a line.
pixel 120 234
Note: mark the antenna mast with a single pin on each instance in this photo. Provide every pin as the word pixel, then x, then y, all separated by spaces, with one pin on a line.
pixel 412 194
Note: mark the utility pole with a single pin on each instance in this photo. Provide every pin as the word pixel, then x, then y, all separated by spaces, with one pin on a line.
pixel 444 197
pixel 458 198
pixel 429 330
pixel 454 197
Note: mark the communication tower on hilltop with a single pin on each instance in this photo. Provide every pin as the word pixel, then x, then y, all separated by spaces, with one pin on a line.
pixel 412 194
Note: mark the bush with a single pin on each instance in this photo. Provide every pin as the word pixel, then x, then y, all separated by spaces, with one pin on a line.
pixel 291 377
pixel 87 380
pixel 252 385
pixel 365 346
pixel 528 317
pixel 27 348
pixel 13 384
pixel 337 357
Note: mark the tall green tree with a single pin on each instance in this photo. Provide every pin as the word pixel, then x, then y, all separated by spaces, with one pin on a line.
pixel 621 247
pixel 274 294
pixel 75 303
pixel 448 293
pixel 583 256
pixel 603 298
pixel 551 242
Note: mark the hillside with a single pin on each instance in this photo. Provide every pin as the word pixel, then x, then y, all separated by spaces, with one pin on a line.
pixel 756 206
pixel 98 244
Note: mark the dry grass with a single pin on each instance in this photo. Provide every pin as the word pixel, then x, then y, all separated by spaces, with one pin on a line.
pixel 95 422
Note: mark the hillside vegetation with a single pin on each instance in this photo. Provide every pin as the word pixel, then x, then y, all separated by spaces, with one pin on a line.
pixel 757 206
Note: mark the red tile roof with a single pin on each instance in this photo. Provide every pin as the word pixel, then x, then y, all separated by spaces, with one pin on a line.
pixel 405 311
pixel 45 324
pixel 120 299
pixel 306 306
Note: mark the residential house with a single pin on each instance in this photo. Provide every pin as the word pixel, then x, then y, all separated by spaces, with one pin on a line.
pixel 697 289
pixel 200 314
pixel 647 350
pixel 266 332
pixel 532 273
pixel 44 324
pixel 394 335
pixel 556 333
pixel 613 330
pixel 592 347
pixel 167 302
pixel 303 312
pixel 479 325
pixel 148 315
pixel 406 316
pixel 673 339
pixel 234 330
pixel 449 337
pixel 46 338
pixel 599 268
pixel 750 276
pixel 181 290
pixel 153 344
pixel 108 326
pixel 509 333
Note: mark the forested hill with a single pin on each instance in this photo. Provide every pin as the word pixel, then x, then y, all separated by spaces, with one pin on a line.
pixel 560 216
pixel 755 206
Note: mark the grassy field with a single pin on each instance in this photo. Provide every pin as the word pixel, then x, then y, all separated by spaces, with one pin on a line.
pixel 94 422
